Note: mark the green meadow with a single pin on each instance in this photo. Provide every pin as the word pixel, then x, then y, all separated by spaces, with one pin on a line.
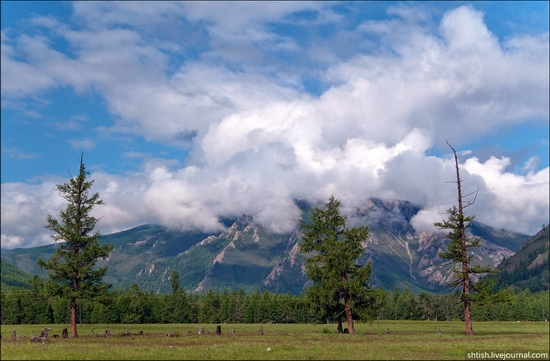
pixel 407 340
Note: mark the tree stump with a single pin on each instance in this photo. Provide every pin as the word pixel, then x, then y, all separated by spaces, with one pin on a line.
pixel 65 333
pixel 261 332
pixel 107 333
pixel 218 330
pixel 201 331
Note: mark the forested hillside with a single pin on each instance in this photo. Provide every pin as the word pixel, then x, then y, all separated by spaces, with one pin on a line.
pixel 14 277
pixel 528 268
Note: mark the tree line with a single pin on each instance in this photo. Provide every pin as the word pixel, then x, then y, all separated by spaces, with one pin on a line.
pixel 135 306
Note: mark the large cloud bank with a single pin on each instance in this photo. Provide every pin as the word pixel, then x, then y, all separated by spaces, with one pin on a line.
pixel 257 140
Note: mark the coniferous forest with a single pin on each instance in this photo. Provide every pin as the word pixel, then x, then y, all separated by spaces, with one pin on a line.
pixel 134 306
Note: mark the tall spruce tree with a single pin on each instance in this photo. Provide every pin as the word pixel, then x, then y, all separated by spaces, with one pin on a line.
pixel 339 283
pixel 180 308
pixel 458 246
pixel 71 268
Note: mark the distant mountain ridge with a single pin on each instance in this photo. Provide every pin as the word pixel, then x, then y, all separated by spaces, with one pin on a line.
pixel 248 256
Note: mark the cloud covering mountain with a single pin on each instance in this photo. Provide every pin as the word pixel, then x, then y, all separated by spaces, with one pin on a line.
pixel 262 117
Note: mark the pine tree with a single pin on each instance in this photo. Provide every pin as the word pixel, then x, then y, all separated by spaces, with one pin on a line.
pixel 225 308
pixel 12 305
pixel 238 299
pixel 71 269
pixel 180 307
pixel 339 282
pixel 457 249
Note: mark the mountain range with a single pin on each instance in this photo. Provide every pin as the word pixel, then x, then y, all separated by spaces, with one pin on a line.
pixel 248 256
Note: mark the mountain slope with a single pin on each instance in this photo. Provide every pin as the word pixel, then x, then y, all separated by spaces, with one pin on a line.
pixel 241 257
pixel 136 253
pixel 528 268
pixel 246 255
pixel 24 259
pixel 13 276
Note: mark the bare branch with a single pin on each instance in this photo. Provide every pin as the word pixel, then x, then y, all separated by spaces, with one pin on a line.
pixel 449 144
pixel 457 302
pixel 470 202
pixel 475 193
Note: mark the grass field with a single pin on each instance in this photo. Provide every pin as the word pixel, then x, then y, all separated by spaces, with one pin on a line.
pixel 408 340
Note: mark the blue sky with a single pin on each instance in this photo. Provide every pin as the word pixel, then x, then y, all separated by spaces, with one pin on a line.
pixel 193 110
